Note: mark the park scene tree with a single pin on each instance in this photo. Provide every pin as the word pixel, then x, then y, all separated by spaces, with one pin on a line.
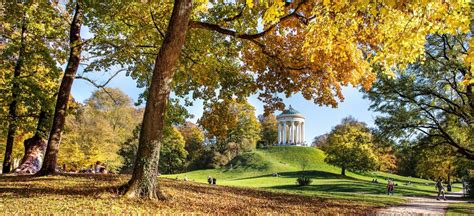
pixel 148 97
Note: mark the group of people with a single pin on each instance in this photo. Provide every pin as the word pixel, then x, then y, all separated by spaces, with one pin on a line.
pixel 439 187
pixel 98 167
pixel 211 180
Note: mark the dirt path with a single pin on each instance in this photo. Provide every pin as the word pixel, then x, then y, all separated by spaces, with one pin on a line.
pixel 422 206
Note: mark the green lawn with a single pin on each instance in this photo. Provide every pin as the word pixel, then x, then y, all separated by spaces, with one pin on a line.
pixel 460 209
pixel 254 169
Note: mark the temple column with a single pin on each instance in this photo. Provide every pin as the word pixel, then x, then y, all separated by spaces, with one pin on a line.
pixel 284 133
pixel 290 128
pixel 299 133
pixel 282 128
pixel 302 132
pixel 292 133
pixel 279 133
pixel 296 132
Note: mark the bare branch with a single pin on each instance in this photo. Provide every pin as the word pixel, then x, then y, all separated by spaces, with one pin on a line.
pixel 156 25
pixel 103 85
pixel 233 33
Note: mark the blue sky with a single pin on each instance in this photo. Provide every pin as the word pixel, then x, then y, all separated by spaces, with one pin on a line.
pixel 319 119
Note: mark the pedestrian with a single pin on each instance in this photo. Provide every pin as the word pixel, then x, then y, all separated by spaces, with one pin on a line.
pixel 214 181
pixel 439 186
pixel 390 187
pixel 209 179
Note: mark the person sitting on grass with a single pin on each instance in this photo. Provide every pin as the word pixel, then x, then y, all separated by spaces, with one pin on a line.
pixel 390 187
pixel 439 186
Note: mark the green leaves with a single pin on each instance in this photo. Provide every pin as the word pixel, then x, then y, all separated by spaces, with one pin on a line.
pixel 428 99
pixel 350 147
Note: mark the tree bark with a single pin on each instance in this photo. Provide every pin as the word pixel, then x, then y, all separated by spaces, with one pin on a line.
pixel 470 86
pixel 34 151
pixel 34 148
pixel 51 156
pixel 12 107
pixel 143 183
pixel 343 171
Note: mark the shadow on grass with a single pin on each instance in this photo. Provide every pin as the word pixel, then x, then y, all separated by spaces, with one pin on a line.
pixel 314 174
pixel 358 186
pixel 61 184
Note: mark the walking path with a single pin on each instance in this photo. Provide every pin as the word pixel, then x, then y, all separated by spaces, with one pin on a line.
pixel 422 206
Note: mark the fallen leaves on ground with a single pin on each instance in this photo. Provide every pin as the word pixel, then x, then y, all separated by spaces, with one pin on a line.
pixel 97 194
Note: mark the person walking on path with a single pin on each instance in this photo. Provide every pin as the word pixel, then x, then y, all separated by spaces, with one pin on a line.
pixel 390 187
pixel 439 186
pixel 209 180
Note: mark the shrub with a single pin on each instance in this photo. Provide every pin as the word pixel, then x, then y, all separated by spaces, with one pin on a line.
pixel 303 181
pixel 470 187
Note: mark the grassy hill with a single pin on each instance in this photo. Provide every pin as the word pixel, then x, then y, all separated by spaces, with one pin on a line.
pixel 255 169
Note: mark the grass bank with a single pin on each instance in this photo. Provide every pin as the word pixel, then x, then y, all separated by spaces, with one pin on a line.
pixel 255 170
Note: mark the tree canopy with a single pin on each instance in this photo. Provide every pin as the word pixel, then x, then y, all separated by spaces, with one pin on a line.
pixel 430 98
pixel 349 146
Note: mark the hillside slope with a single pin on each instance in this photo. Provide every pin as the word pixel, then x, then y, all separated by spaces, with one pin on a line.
pixel 256 169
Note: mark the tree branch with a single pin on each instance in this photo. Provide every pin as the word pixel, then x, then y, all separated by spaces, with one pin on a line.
pixel 156 25
pixel 217 28
pixel 103 85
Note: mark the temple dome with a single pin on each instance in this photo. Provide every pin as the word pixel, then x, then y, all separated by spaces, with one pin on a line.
pixel 290 111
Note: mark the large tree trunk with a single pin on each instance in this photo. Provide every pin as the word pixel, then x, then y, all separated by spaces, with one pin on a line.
pixel 34 148
pixel 143 183
pixel 51 156
pixel 34 151
pixel 12 107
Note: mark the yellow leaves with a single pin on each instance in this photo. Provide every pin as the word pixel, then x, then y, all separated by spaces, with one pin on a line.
pixel 469 59
pixel 249 3
pixel 201 5
pixel 351 38
pixel 274 12
pixel 326 2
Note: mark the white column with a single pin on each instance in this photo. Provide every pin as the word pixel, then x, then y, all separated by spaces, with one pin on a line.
pixel 279 133
pixel 298 132
pixel 302 132
pixel 292 132
pixel 295 139
pixel 288 132
pixel 284 133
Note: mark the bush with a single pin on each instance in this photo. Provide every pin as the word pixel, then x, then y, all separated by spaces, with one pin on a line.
pixel 303 181
pixel 470 187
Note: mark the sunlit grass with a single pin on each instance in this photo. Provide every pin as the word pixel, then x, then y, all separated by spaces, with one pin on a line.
pixel 255 170
pixel 460 209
